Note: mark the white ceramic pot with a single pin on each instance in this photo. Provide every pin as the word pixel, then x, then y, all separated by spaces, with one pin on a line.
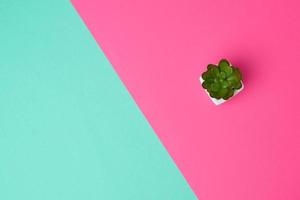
pixel 220 101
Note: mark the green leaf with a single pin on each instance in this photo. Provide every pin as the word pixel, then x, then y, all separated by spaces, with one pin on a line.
pixel 205 84
pixel 217 95
pixel 215 86
pixel 238 85
pixel 222 92
pixel 212 94
pixel 229 94
pixel 224 63
pixel 215 71
pixel 237 73
pixel 206 75
pixel 225 84
pixel 210 66
pixel 227 70
pixel 233 78
pixel 222 75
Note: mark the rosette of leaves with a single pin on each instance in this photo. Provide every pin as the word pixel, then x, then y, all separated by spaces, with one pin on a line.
pixel 222 80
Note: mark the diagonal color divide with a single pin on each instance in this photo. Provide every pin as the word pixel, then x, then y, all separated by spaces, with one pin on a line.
pixel 69 130
pixel 246 149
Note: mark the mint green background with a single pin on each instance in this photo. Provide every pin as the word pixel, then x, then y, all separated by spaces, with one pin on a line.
pixel 68 128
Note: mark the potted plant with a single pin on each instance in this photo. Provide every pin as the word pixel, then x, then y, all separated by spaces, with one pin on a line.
pixel 221 81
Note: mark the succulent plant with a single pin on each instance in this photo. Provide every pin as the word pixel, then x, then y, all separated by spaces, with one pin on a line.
pixel 222 80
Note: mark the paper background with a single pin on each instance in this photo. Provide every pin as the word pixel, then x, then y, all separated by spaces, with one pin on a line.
pixel 246 149
pixel 69 130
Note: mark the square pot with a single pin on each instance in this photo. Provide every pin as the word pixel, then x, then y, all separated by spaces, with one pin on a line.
pixel 220 101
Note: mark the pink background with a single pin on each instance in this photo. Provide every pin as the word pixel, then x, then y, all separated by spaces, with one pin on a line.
pixel 245 149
